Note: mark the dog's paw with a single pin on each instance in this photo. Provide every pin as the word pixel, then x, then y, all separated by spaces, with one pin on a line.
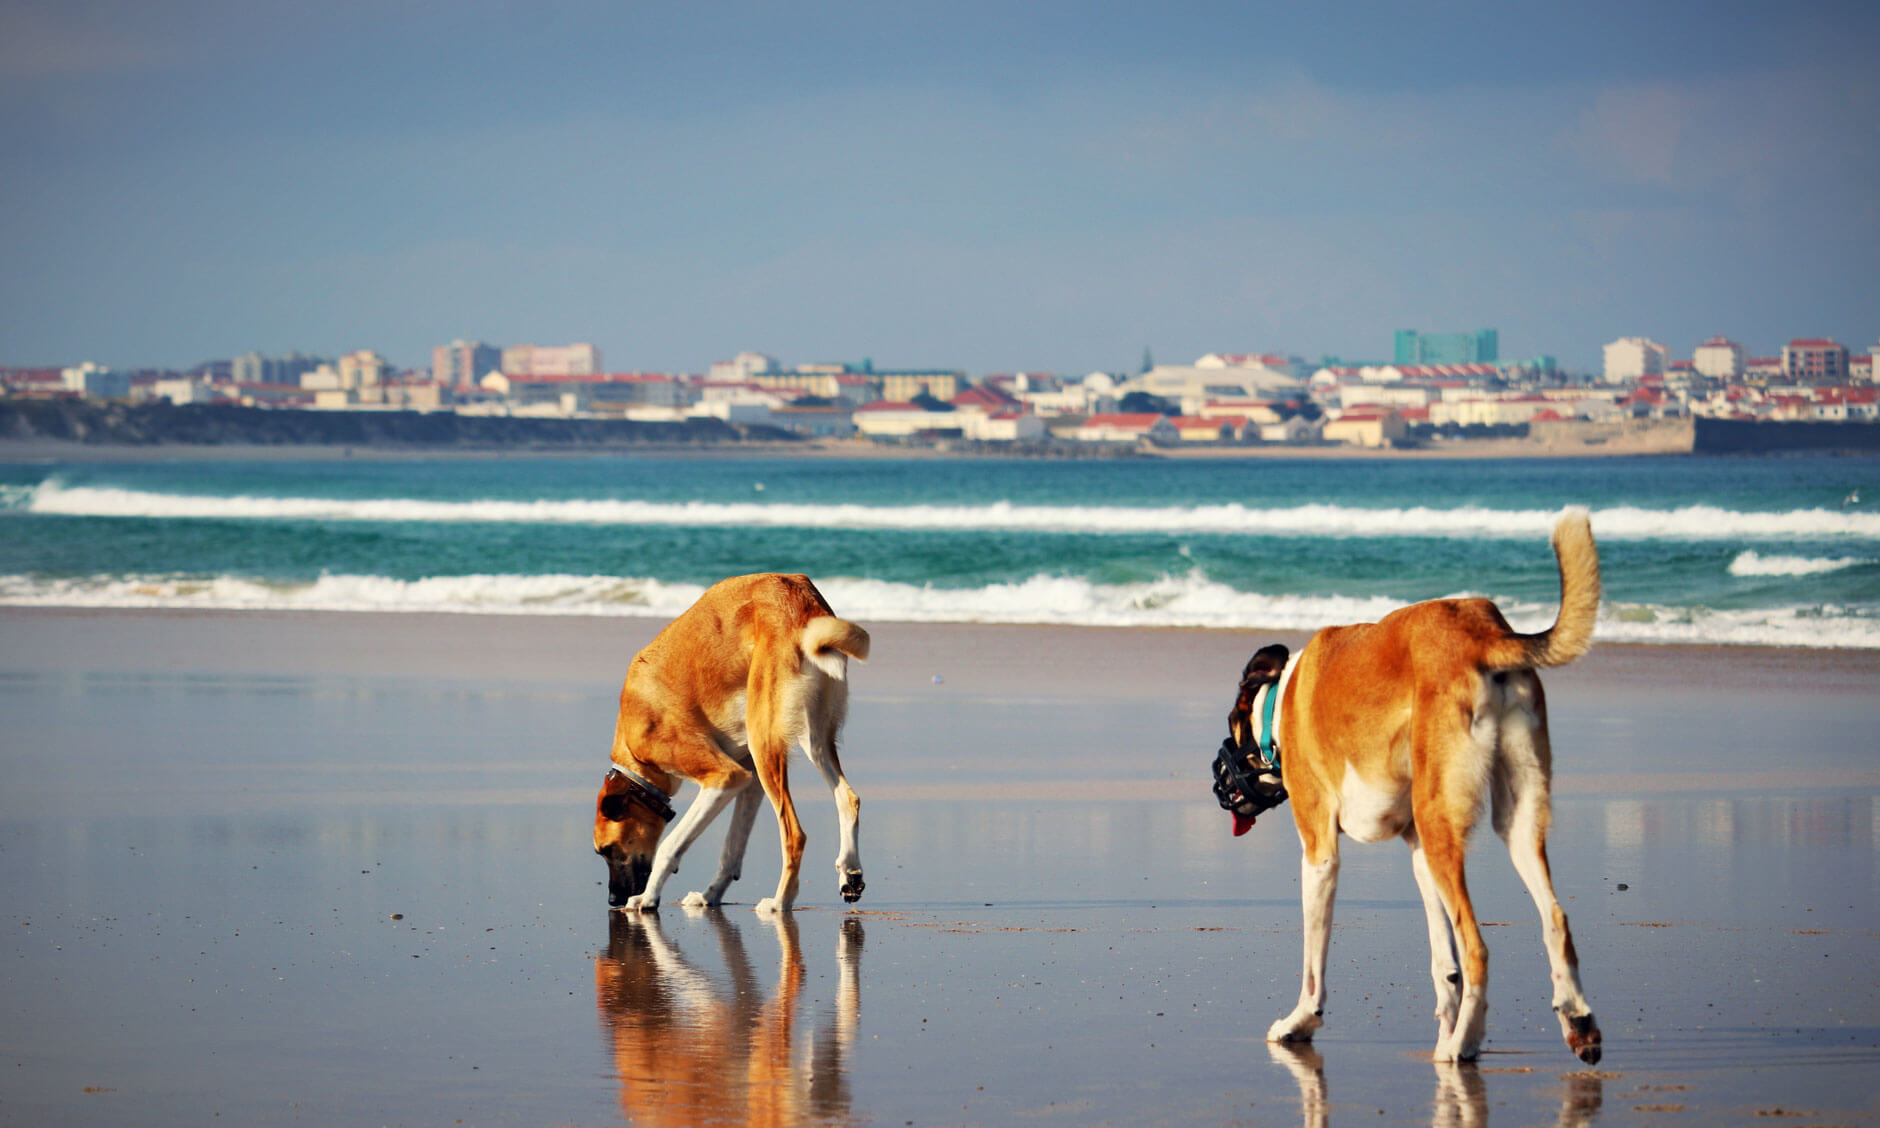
pixel 770 906
pixel 640 903
pixel 696 901
pixel 1583 1037
pixel 852 886
pixel 1294 1028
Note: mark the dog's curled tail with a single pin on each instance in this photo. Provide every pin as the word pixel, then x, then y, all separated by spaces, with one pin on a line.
pixel 825 639
pixel 1572 632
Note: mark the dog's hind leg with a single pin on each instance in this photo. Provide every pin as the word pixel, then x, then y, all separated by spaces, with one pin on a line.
pixel 731 858
pixel 774 771
pixel 1443 846
pixel 1318 886
pixel 1445 972
pixel 1522 814
pixel 826 711
pixel 1451 766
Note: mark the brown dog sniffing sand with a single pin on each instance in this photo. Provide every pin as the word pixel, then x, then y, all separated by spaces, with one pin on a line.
pixel 758 664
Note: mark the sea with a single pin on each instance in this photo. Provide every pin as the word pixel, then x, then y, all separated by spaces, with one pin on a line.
pixel 1695 550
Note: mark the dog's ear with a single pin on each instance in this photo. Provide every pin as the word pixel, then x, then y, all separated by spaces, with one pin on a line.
pixel 1263 669
pixel 1265 666
pixel 613 798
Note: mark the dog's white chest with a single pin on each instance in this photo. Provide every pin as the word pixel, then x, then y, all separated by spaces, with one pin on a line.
pixel 1370 813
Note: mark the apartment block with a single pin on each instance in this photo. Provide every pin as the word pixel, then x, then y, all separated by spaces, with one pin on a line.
pixel 461 364
pixel 1480 347
pixel 1815 360
pixel 552 360
pixel 1634 358
pixel 1718 358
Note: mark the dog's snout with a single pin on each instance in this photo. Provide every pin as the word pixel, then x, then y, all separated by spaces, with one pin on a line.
pixel 626 878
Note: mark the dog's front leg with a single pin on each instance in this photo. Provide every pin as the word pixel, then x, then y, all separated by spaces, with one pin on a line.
pixel 731 858
pixel 1318 885
pixel 672 848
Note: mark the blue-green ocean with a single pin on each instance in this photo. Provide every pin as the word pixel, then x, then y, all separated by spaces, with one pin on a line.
pixel 1775 551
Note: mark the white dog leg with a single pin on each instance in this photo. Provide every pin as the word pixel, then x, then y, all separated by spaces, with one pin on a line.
pixel 848 814
pixel 672 848
pixel 1318 885
pixel 1445 971
pixel 731 858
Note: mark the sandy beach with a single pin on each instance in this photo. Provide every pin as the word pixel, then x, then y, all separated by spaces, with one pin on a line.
pixel 333 868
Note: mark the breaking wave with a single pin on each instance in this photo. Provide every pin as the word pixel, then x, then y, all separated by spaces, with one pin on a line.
pixel 1688 523
pixel 1751 563
pixel 1171 601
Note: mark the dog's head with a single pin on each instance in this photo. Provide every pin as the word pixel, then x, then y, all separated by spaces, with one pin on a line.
pixel 1245 782
pixel 629 816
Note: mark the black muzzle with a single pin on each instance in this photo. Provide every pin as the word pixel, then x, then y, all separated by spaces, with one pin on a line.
pixel 1246 783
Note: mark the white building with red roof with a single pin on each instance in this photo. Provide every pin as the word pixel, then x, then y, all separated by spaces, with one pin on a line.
pixel 1634 358
pixel 1719 358
pixel 1126 427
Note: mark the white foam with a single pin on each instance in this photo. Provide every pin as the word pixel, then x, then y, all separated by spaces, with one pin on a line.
pixel 1171 601
pixel 1699 522
pixel 1750 563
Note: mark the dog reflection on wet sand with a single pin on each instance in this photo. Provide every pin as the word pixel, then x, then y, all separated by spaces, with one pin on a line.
pixel 690 1049
pixel 1461 1099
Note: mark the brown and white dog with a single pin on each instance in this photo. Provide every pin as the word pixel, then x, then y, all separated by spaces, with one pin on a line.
pixel 758 664
pixel 1397 729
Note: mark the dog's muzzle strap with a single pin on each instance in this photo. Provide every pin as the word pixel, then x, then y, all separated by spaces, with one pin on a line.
pixel 1247 781
pixel 642 789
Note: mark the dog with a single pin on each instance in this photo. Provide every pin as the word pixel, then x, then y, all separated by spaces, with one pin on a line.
pixel 1397 729
pixel 718 697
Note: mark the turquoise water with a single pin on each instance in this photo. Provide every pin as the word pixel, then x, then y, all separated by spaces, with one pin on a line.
pixel 1767 551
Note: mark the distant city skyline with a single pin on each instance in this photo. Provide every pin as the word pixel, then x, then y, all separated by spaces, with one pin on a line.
pixel 1048 187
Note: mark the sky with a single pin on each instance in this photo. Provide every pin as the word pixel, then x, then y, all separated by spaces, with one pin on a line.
pixel 988 186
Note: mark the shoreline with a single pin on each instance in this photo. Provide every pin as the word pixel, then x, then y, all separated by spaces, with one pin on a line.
pixel 41 450
pixel 971 657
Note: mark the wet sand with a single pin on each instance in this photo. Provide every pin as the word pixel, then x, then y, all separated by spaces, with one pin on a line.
pixel 333 869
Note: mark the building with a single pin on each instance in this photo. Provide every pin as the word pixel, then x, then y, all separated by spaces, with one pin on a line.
pixel 1718 358
pixel 551 360
pixel 95 381
pixel 1192 386
pixel 461 364
pixel 1367 427
pixel 1492 411
pixel 181 390
pixel 740 369
pixel 906 383
pixel 1480 347
pixel 363 369
pixel 1127 428
pixel 1003 426
pixel 899 419
pixel 253 368
pixel 1634 358
pixel 1210 429
pixel 1815 360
